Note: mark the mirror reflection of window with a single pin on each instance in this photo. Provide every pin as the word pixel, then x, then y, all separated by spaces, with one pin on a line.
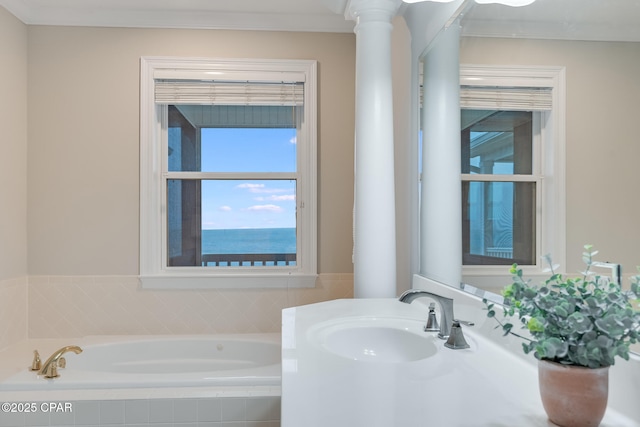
pixel 499 187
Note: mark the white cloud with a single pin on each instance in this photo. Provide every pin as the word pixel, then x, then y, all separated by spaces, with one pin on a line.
pixel 272 190
pixel 268 208
pixel 261 189
pixel 294 140
pixel 254 188
pixel 225 208
pixel 283 198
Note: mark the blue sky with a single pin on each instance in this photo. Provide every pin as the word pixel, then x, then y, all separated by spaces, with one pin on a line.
pixel 254 203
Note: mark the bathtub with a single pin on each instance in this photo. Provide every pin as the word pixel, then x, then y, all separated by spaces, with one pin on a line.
pixel 146 381
pixel 109 362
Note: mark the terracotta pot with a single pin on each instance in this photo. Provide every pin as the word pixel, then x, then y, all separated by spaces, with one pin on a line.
pixel 573 396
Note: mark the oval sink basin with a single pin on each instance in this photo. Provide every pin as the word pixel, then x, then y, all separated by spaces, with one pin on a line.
pixel 376 340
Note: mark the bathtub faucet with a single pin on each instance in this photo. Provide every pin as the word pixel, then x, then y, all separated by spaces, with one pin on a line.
pixel 50 367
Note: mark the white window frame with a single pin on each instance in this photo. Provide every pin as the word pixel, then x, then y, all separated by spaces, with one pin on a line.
pixel 551 208
pixel 534 177
pixel 154 272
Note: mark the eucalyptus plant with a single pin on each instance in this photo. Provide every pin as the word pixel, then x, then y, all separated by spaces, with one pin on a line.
pixel 585 321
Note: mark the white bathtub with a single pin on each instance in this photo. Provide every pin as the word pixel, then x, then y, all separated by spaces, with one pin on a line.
pixel 131 362
pixel 145 381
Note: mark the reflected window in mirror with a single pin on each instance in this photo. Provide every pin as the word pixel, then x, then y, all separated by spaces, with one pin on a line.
pixel 501 185
pixel 512 169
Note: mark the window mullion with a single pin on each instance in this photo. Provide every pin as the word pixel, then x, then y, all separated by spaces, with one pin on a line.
pixel 231 175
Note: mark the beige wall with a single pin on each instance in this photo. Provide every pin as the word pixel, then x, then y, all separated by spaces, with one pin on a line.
pixel 69 181
pixel 13 146
pixel 603 142
pixel 83 138
pixel 13 180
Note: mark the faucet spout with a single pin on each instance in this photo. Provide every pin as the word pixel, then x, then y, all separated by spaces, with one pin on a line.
pixel 446 308
pixel 50 367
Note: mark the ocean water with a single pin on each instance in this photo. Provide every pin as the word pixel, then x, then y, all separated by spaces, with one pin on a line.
pixel 249 241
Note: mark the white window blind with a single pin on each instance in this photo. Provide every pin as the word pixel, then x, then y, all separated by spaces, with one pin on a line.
pixel 198 92
pixel 506 98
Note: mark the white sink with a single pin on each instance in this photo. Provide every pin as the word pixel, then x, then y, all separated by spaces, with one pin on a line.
pixel 373 339
pixel 368 363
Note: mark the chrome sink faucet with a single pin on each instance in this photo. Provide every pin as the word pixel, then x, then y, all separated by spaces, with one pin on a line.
pixel 50 367
pixel 446 308
pixel 450 328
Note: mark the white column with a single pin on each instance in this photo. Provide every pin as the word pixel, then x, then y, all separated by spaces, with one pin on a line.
pixel 374 225
pixel 441 209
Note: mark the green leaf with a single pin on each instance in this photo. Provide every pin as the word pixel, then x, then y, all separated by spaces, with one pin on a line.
pixel 579 322
pixel 527 347
pixel 552 348
pixel 506 328
pixel 535 325
pixel 513 269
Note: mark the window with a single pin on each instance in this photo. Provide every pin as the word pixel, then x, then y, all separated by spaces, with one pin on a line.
pixel 228 175
pixel 512 148
pixel 501 182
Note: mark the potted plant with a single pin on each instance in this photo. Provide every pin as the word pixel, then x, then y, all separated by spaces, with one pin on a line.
pixel 576 328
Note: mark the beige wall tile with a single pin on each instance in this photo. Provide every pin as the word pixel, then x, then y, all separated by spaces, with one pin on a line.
pixel 13 311
pixel 73 307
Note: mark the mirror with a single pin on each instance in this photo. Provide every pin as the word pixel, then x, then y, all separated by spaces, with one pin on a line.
pixel 597 45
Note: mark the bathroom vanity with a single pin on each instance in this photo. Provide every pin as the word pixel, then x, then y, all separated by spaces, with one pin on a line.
pixel 368 362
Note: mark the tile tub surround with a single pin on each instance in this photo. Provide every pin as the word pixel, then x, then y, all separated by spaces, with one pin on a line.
pixel 497 387
pixel 13 311
pixel 235 411
pixel 78 306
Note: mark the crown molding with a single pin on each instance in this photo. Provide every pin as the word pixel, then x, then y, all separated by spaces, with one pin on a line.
pixel 102 15
pixel 550 30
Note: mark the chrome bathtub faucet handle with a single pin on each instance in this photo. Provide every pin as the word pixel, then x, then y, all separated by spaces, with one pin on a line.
pixel 50 368
pixel 36 363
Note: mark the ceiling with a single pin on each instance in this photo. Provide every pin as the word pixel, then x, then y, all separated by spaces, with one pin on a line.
pixel 614 20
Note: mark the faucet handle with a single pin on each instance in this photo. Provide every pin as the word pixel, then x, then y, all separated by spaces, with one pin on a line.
pixel 464 322
pixel 36 364
pixel 52 370
pixel 456 339
pixel 432 320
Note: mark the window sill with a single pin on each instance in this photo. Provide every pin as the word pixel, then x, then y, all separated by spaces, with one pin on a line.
pixel 229 281
pixel 494 278
pixel 498 270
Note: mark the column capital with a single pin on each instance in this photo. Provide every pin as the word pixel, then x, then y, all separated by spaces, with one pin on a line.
pixel 358 8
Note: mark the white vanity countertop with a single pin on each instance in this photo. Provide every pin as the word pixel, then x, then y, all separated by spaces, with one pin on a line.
pixel 481 386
